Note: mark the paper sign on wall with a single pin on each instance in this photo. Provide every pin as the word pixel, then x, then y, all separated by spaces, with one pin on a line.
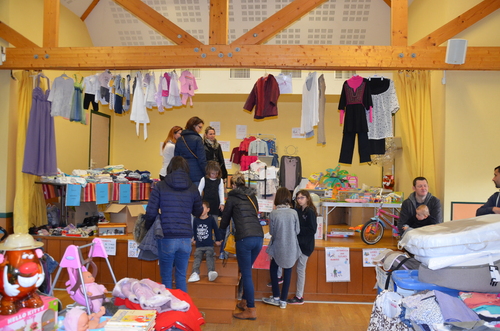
pixel 224 145
pixel 109 246
pixel 133 248
pixel 241 131
pixel 338 267
pixel 73 194
pixel 216 126
pixel 369 254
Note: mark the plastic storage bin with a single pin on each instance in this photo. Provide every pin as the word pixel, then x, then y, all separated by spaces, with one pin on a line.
pixel 407 283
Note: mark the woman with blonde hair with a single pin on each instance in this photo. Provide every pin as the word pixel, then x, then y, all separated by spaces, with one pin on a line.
pixel 213 150
pixel 168 147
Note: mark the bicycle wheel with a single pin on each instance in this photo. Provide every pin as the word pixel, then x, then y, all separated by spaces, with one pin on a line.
pixel 372 232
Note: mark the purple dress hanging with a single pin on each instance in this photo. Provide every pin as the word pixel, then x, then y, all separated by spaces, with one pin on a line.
pixel 40 149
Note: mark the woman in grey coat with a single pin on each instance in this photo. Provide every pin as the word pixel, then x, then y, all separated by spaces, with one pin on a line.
pixel 284 247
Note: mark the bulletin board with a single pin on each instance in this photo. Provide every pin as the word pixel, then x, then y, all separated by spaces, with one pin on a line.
pixel 461 210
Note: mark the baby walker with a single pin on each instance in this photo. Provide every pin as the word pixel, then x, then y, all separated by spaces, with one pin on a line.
pixel 75 263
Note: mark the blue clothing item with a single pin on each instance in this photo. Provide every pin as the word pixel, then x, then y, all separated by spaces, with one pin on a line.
pixel 247 250
pixel 454 309
pixel 191 147
pixel 177 198
pixel 487 208
pixel 203 230
pixel 174 252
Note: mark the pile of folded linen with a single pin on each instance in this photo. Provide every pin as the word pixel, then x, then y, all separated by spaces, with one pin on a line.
pixel 461 254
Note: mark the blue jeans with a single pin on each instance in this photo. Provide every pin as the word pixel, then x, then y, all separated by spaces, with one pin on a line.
pixel 174 252
pixel 247 250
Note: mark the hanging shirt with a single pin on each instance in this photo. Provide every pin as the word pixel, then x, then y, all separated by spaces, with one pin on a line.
pixel 61 96
pixel 310 104
pixel 284 83
pixel 385 104
pixel 174 95
pixel 139 114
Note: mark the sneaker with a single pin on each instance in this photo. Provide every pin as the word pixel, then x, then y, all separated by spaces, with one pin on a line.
pixel 280 281
pixel 194 278
pixel 222 256
pixel 271 301
pixel 296 301
pixel 212 275
pixel 282 304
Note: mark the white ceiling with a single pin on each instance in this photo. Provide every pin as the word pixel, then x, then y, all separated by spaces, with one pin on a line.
pixel 336 22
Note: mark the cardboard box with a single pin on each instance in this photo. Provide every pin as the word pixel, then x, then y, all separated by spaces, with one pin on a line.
pixel 112 229
pixel 126 213
pixel 77 214
pixel 42 319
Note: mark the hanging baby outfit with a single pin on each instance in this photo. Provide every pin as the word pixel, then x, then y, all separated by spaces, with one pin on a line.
pixel 188 86
pixel 139 114
pixel 77 114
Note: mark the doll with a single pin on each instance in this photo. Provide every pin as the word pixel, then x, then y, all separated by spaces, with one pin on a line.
pixel 95 292
pixel 78 320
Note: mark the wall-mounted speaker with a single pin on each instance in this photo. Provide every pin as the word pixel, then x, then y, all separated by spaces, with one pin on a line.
pixel 456 51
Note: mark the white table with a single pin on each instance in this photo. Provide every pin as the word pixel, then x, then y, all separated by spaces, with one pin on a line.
pixel 328 206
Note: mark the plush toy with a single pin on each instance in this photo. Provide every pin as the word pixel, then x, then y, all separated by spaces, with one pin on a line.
pixel 78 320
pixel 21 273
pixel 95 292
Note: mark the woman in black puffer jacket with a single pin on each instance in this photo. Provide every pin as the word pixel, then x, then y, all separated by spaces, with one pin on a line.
pixel 242 207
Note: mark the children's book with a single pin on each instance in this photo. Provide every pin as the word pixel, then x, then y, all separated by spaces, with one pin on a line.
pixel 125 319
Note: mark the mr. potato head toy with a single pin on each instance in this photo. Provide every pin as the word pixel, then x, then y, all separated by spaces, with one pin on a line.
pixel 21 273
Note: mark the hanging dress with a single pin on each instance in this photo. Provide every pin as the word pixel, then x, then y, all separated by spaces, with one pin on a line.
pixel 40 149
pixel 77 114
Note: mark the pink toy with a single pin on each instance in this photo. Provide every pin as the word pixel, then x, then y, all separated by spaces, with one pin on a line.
pixel 81 285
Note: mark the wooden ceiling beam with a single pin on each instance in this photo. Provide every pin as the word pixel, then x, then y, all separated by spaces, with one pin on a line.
pixel 219 22
pixel 249 56
pixel 158 22
pixel 399 22
pixel 51 9
pixel 15 38
pixel 277 22
pixel 460 23
pixel 89 9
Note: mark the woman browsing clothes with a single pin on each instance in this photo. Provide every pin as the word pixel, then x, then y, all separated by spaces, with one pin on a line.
pixel 242 207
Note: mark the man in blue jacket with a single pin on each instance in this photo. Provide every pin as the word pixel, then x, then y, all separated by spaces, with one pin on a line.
pixel 491 206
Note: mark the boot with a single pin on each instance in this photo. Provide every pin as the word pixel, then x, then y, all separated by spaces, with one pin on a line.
pixel 247 314
pixel 242 305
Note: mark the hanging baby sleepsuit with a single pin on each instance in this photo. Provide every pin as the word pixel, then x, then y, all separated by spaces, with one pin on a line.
pixel 385 104
pixel 355 100
pixel 126 105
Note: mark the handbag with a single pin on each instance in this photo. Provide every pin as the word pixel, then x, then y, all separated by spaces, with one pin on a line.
pixel 140 229
pixel 230 245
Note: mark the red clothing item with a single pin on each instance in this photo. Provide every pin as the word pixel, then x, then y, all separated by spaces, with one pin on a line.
pixel 245 143
pixel 191 320
pixel 264 97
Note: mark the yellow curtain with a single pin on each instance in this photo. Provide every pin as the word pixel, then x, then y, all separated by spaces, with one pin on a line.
pixel 414 93
pixel 29 204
